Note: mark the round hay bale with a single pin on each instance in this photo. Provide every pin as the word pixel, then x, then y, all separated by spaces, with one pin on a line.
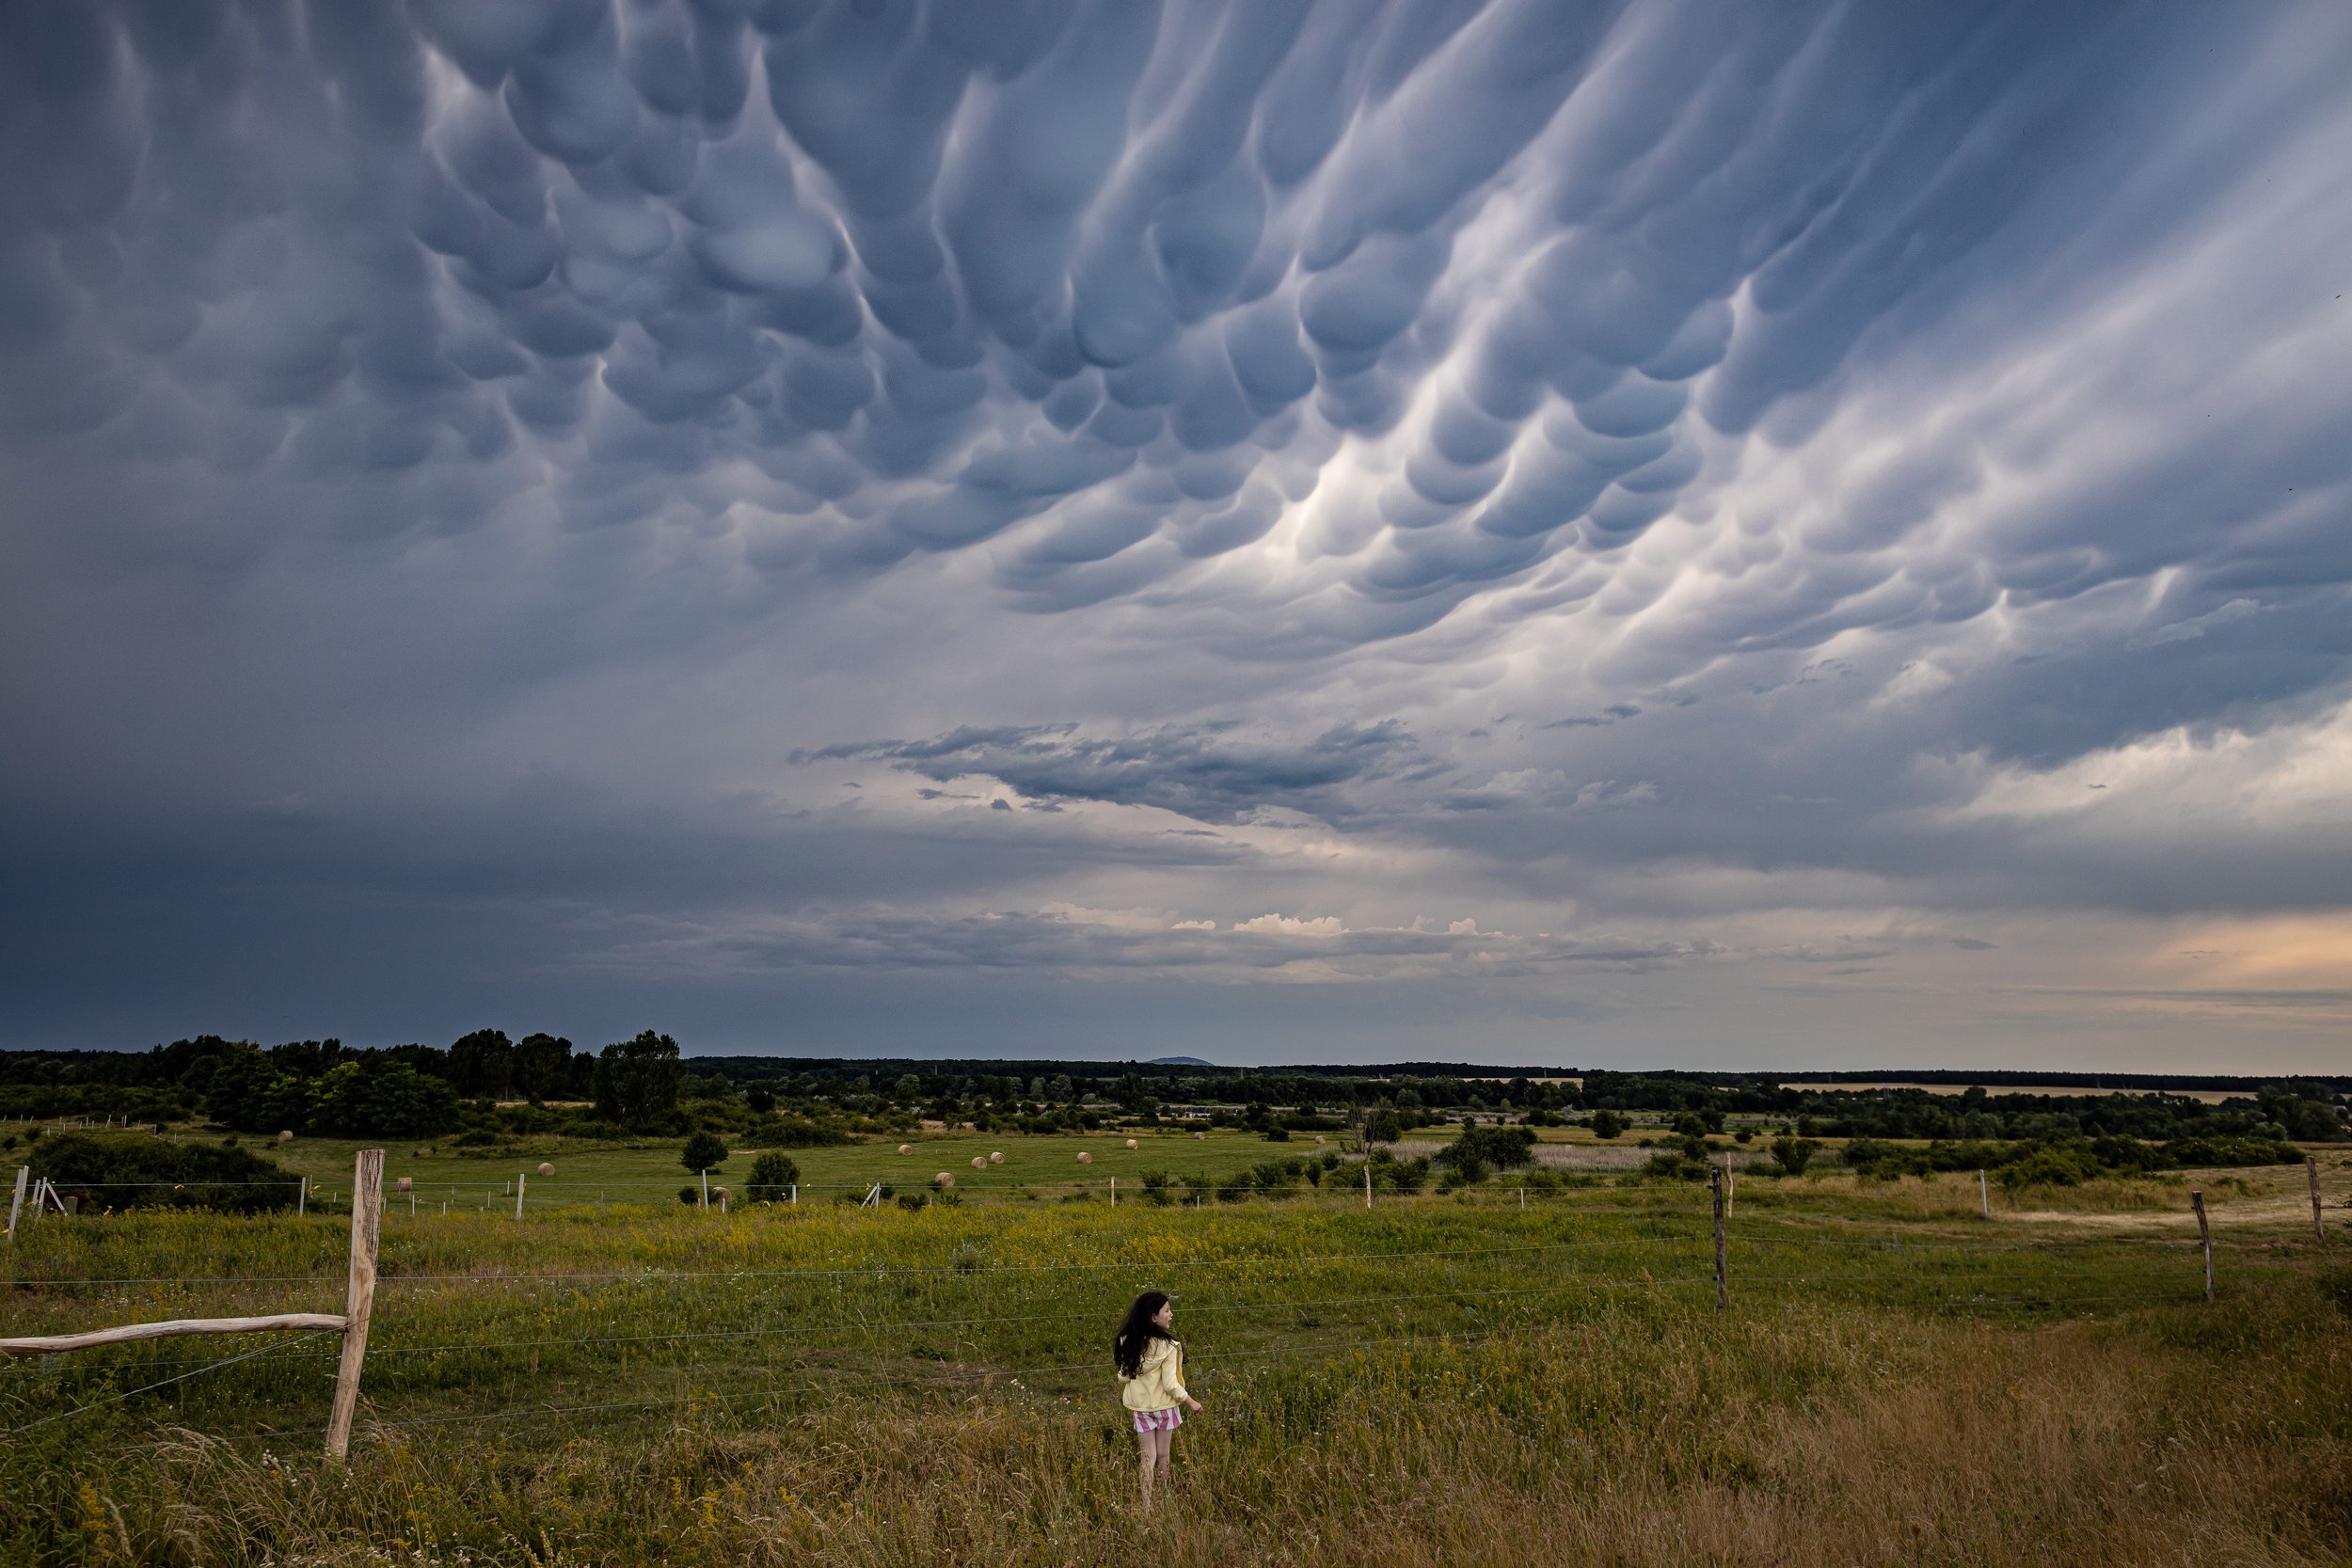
pixel 979 1161
pixel 906 1149
pixel 996 1157
pixel 943 1180
pixel 405 1183
pixel 285 1137
pixel 1199 1135
pixel 1084 1158
pixel 547 1169
pixel 721 1194
pixel 1132 1143
pixel 1319 1138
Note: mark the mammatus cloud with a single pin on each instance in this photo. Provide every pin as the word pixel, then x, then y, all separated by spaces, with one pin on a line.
pixel 1661 467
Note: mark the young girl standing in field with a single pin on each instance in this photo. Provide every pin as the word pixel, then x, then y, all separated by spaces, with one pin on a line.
pixel 1150 1363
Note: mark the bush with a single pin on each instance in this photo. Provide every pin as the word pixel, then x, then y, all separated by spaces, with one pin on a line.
pixel 1674 1164
pixel 703 1151
pixel 797 1132
pixel 1482 1147
pixel 1277 1134
pixel 1401 1175
pixel 912 1201
pixel 773 1176
pixel 2208 1153
pixel 1794 1154
pixel 2047 1167
pixel 1607 1124
pixel 689 1194
pixel 166 1175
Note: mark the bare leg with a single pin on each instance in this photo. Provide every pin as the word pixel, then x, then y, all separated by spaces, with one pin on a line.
pixel 1168 1447
pixel 1149 1443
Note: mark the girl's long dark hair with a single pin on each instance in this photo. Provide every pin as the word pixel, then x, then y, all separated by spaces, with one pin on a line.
pixel 1137 1332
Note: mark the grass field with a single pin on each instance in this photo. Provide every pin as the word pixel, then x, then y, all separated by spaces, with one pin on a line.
pixel 1453 1378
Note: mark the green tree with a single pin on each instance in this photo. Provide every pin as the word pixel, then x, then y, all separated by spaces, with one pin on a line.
pixel 773 1176
pixel 541 1065
pixel 1607 1124
pixel 637 1080
pixel 1794 1154
pixel 380 1100
pixel 248 1093
pixel 482 1063
pixel 704 1151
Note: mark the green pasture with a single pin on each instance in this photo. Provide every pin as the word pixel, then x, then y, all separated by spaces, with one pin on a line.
pixel 595 1173
pixel 828 1384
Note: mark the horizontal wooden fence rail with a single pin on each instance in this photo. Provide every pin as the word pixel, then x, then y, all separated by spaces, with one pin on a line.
pixel 52 1344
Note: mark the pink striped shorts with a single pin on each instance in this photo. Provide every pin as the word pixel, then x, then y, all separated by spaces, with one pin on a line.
pixel 1159 1420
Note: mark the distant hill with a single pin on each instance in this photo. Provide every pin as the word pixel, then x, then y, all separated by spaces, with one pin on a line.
pixel 1178 1061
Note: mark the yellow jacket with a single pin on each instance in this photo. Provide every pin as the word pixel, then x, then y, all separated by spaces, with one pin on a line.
pixel 1159 1382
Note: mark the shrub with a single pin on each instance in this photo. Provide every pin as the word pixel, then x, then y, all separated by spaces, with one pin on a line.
pixel 2046 1167
pixel 798 1132
pixel 773 1176
pixel 163 1174
pixel 703 1151
pixel 1794 1154
pixel 689 1194
pixel 1607 1124
pixel 2208 1153
pixel 1674 1164
pixel 911 1201
pixel 1277 1134
pixel 1483 1147
pixel 1401 1175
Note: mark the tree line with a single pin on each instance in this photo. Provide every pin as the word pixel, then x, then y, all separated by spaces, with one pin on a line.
pixel 543 1083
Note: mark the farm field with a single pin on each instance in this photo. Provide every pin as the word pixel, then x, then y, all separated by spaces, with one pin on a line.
pixel 1441 1379
pixel 593 1173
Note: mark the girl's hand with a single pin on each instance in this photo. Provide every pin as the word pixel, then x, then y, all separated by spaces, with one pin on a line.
pixel 1195 1406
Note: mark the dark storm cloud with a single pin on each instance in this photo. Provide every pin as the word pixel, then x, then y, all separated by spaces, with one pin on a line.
pixel 1208 771
pixel 1669 455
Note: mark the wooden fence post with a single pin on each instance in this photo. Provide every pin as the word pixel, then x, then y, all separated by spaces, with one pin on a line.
pixel 1113 1192
pixel 302 1199
pixel 706 1181
pixel 1367 1181
pixel 520 1181
pixel 16 1204
pixel 1984 1195
pixel 1723 1283
pixel 367 1215
pixel 2319 1222
pixel 2204 1232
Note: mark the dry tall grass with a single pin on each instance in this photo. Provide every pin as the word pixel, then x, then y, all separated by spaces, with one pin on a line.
pixel 2183 1435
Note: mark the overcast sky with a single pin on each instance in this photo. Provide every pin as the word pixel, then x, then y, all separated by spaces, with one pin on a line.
pixel 1683 532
